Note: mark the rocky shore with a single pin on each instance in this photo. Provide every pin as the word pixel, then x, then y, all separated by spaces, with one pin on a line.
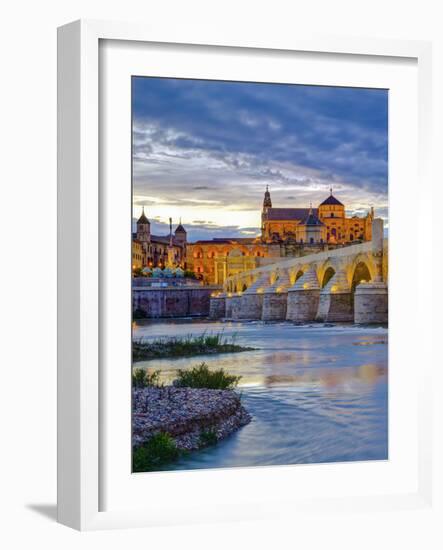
pixel 186 414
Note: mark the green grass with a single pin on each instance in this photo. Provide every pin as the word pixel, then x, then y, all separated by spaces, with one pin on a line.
pixel 208 438
pixel 158 451
pixel 186 346
pixel 141 378
pixel 201 377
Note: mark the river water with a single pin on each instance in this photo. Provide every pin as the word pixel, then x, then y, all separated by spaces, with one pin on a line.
pixel 317 393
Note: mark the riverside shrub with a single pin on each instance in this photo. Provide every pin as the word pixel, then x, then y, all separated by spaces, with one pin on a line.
pixel 201 377
pixel 158 451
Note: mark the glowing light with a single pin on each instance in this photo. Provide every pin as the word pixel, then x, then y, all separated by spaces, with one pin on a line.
pixel 229 294
pixel 334 288
pixel 260 290
pixel 305 285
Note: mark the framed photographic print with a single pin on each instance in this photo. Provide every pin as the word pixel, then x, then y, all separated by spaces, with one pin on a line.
pixel 236 220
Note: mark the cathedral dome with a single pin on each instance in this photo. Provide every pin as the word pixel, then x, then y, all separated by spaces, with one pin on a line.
pixel 331 200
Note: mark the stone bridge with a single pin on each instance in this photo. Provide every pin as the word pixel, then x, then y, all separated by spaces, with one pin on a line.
pixel 346 284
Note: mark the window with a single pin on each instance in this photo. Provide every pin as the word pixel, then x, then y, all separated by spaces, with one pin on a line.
pixel 332 214
pixel 311 240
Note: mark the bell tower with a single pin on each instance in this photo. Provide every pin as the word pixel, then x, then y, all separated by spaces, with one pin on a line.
pixel 267 204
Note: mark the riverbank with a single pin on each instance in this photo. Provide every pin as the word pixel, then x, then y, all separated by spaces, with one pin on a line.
pixel 193 418
pixel 316 393
pixel 185 346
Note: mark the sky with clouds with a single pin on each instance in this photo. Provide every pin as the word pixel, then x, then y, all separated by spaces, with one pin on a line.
pixel 205 151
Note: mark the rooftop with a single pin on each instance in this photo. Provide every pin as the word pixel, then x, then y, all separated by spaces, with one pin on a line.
pixel 289 213
pixel 331 200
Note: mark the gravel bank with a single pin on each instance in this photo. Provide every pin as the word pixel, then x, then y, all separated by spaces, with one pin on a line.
pixel 184 413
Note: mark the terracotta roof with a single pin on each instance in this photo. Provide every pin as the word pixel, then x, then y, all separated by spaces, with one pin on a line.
pixel 289 213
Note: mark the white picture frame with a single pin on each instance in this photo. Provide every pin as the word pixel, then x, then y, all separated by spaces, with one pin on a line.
pixel 82 290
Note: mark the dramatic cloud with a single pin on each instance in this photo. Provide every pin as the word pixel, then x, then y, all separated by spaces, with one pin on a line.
pixel 205 150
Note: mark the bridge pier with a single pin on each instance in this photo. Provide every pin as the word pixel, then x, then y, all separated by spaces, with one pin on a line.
pixel 371 303
pixel 228 306
pixel 303 298
pixel 275 299
pixel 252 299
pixel 251 306
pixel 217 306
pixel 371 299
pixel 335 303
pixel 236 306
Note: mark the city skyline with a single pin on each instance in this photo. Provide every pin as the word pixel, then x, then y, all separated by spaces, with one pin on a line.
pixel 204 151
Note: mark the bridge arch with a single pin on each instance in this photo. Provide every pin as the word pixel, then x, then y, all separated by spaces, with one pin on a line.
pixel 295 275
pixel 325 272
pixel 361 273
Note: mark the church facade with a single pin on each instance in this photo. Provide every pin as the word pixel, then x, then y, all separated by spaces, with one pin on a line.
pixel 150 250
pixel 285 232
pixel 326 224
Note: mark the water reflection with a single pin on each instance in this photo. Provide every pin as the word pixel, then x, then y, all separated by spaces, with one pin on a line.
pixel 317 393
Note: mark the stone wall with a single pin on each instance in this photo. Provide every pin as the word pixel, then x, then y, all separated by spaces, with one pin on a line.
pixel 335 307
pixel 274 306
pixel 172 302
pixel 217 308
pixel 302 305
pixel 371 303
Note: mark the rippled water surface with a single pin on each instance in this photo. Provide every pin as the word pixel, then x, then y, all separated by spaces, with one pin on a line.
pixel 316 393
